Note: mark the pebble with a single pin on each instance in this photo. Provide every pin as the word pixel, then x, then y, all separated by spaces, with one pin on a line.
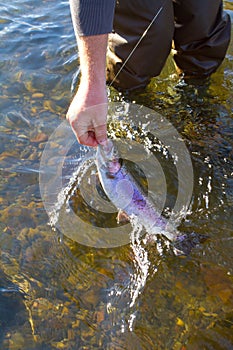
pixel 38 95
pixel 38 137
pixel 16 341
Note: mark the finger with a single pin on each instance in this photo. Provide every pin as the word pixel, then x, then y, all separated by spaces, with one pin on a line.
pixel 84 135
pixel 87 139
pixel 81 131
pixel 101 134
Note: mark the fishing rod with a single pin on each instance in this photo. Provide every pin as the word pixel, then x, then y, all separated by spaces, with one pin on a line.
pixel 138 43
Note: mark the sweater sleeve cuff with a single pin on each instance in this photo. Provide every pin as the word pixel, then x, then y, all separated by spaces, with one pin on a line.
pixel 92 17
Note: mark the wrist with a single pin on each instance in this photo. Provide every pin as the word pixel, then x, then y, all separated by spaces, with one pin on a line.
pixel 92 94
pixel 93 83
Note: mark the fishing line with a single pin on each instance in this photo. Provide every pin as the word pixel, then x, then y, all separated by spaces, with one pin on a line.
pixel 138 43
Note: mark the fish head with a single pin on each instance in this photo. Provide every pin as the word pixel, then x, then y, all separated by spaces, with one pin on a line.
pixel 107 159
pixel 114 178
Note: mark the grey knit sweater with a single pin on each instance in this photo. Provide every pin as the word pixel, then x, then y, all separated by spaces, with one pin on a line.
pixel 92 17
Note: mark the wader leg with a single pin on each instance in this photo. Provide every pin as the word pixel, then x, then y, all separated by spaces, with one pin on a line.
pixel 201 37
pixel 132 17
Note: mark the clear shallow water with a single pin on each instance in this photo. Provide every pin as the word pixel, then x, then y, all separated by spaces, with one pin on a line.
pixel 78 297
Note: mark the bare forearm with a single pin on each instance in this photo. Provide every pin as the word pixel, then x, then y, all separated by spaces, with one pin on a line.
pixel 92 53
pixel 87 113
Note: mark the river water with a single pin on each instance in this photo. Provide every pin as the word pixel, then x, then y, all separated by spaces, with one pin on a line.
pixel 56 293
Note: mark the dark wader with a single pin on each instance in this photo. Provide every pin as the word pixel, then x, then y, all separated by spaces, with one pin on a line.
pixel 199 29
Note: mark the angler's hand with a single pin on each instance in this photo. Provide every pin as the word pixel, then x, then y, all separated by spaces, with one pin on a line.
pixel 87 115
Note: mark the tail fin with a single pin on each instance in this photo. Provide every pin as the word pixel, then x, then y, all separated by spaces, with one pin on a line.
pixel 186 242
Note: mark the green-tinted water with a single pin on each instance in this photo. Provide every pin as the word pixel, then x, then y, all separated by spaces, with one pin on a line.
pixel 77 297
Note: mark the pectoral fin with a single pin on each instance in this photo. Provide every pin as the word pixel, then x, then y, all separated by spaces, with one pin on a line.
pixel 122 217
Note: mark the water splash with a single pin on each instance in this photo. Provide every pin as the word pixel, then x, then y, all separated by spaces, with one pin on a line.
pixel 141 262
pixel 123 297
pixel 67 192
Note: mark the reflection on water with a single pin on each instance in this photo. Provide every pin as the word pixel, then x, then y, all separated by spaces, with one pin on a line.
pixel 78 297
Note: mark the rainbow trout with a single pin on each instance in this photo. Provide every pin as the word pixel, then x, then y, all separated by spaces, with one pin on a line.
pixel 128 197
